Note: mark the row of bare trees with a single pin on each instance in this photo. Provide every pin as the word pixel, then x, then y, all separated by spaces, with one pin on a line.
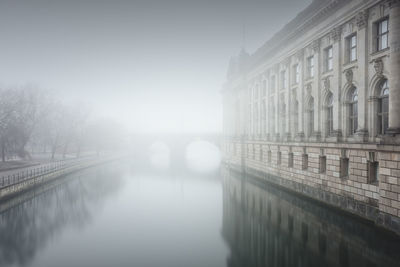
pixel 33 120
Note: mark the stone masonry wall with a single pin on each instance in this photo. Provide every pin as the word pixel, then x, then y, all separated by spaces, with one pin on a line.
pixel 353 191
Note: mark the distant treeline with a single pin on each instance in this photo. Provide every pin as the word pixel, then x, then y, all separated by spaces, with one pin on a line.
pixel 33 120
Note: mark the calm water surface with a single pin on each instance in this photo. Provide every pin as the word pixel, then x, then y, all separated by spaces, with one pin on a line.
pixel 118 215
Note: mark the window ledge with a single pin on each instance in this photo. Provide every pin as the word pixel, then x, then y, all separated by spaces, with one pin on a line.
pixel 327 72
pixel 350 63
pixel 379 52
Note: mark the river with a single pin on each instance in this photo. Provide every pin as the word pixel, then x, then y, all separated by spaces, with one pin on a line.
pixel 120 215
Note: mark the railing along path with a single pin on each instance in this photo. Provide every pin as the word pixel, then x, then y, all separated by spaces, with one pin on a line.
pixel 13 177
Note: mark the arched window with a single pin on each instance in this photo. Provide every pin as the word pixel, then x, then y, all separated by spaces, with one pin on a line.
pixel 353 114
pixel 272 86
pixel 383 108
pixel 283 113
pixel 310 112
pixel 249 121
pixel 272 116
pixel 296 116
pixel 263 115
pixel 329 114
pixel 256 120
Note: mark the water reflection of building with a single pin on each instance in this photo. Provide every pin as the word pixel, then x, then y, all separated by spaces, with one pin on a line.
pixel 28 222
pixel 268 227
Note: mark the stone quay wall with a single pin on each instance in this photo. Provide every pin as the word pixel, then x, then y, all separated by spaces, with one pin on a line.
pixel 363 179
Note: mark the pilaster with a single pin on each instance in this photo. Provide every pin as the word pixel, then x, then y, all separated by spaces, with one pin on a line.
pixel 300 94
pixel 394 65
pixel 362 58
pixel 335 81
pixel 316 88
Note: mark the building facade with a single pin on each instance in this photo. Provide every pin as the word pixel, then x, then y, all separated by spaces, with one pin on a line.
pixel 316 109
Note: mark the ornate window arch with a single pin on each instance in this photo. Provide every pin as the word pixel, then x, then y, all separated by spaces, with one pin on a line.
pixel 353 110
pixel 383 107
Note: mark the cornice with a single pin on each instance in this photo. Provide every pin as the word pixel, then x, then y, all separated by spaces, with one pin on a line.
pixel 299 26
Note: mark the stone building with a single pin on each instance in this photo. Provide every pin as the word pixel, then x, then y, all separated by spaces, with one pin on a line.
pixel 317 108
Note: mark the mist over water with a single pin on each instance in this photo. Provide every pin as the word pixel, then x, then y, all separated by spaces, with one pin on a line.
pixel 120 215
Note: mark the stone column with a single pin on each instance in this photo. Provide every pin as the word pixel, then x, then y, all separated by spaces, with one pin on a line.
pixel 373 109
pixel 334 83
pixel 224 113
pixel 362 58
pixel 247 110
pixel 287 100
pixel 300 95
pixel 277 136
pixel 267 130
pixel 243 109
pixel 251 114
pixel 394 65
pixel 258 108
pixel 316 90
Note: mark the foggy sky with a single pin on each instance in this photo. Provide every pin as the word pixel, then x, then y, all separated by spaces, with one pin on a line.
pixel 156 65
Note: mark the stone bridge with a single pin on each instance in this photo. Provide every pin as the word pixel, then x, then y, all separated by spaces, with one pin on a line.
pixel 177 144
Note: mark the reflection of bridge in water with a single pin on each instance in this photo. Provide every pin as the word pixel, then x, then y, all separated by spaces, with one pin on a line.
pixel 265 226
pixel 176 143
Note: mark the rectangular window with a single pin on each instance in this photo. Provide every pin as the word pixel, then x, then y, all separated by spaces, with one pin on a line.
pixel 290 162
pixel 322 164
pixel 296 71
pixel 328 55
pixel 264 88
pixel 272 116
pixel 329 121
pixel 283 79
pixel 296 116
pixel 351 48
pixel 382 34
pixel 269 156
pixel 372 168
pixel 383 114
pixel 353 118
pixel 261 154
pixel 310 67
pixel 344 167
pixel 305 161
pixel 279 158
pixel 272 85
